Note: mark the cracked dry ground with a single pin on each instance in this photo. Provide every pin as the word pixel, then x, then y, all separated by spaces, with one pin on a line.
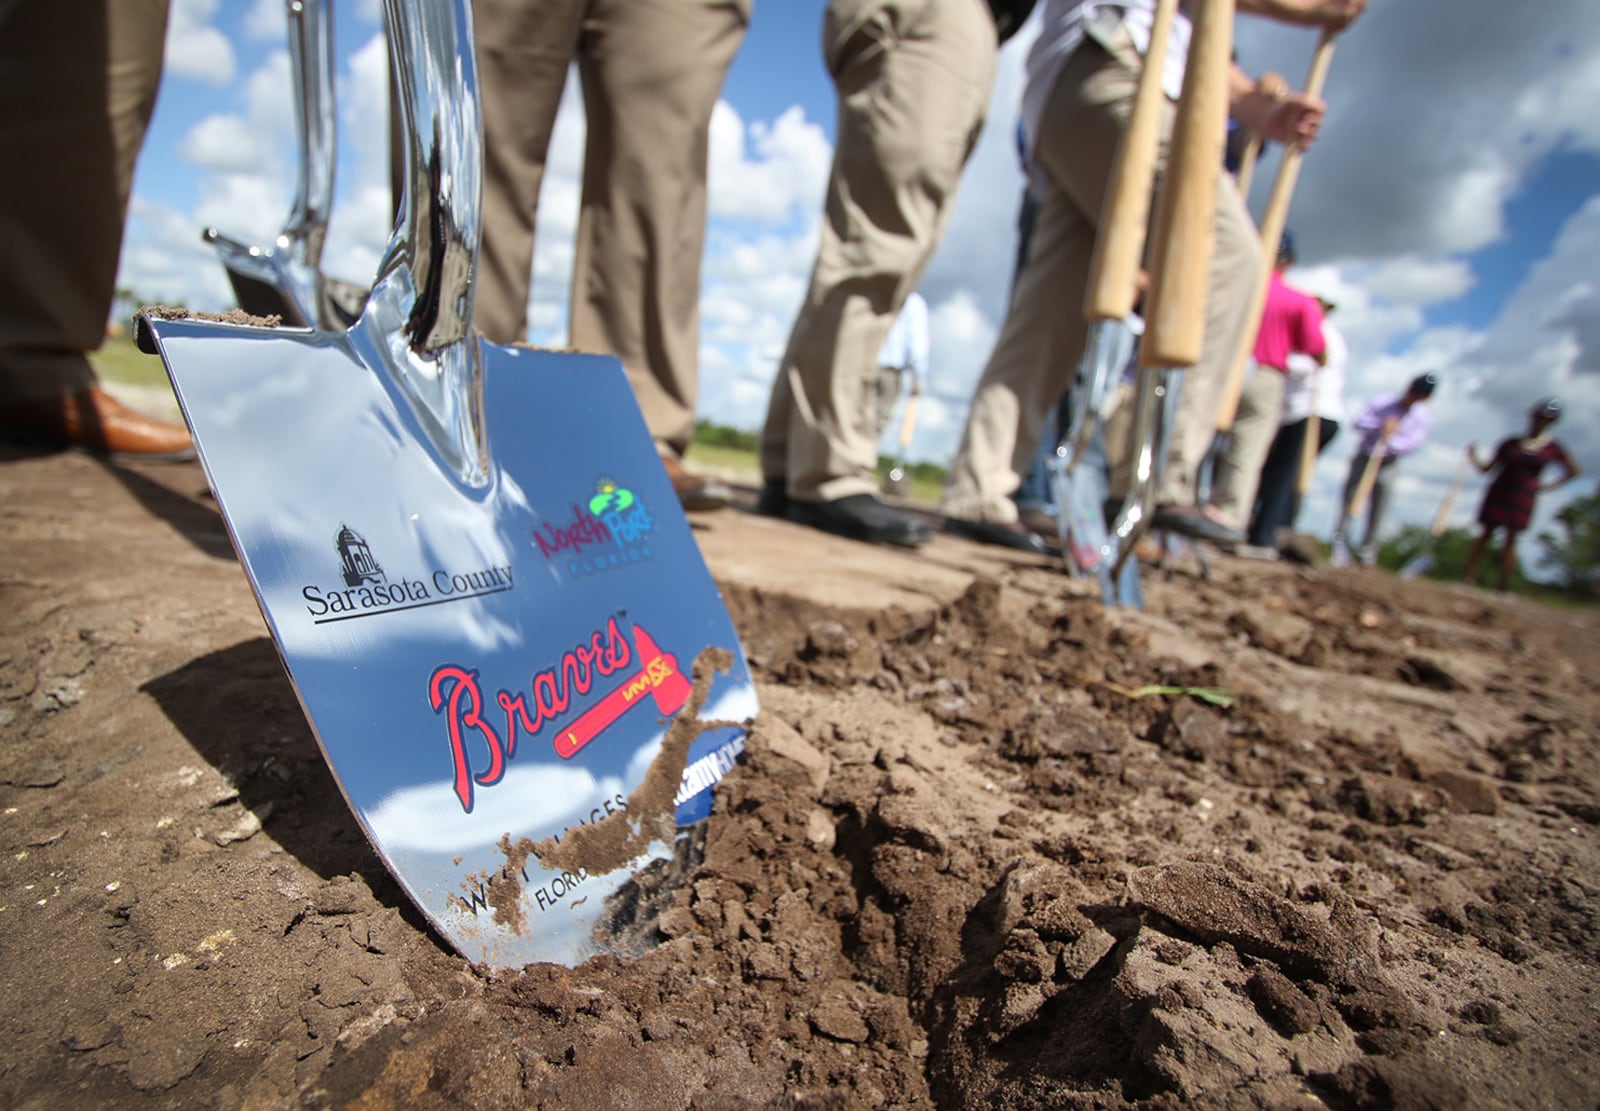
pixel 967 862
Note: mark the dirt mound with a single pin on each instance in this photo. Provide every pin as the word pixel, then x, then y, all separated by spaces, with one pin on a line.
pixel 1290 837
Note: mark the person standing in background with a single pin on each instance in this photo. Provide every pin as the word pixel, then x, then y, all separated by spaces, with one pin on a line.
pixel 913 80
pixel 1391 428
pixel 651 72
pixel 1508 503
pixel 1278 495
pixel 1291 324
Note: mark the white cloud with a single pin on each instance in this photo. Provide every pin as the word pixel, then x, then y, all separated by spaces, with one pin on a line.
pixel 195 48
pixel 266 21
pixel 783 174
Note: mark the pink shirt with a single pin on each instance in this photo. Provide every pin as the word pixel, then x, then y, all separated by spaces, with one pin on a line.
pixel 1291 323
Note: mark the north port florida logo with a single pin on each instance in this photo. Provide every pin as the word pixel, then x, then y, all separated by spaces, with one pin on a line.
pixel 612 529
pixel 366 590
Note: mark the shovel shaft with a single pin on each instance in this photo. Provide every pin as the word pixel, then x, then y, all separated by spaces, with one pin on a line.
pixel 1125 212
pixel 1369 478
pixel 1175 317
pixel 1247 165
pixel 1272 224
pixel 1442 518
pixel 908 426
pixel 311 66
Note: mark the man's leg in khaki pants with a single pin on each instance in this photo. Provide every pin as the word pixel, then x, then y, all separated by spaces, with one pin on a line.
pixel 652 71
pixel 1042 340
pixel 913 79
pixel 524 51
pixel 78 83
pixel 1233 493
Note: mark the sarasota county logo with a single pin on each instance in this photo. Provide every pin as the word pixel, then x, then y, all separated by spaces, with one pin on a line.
pixel 612 529
pixel 368 590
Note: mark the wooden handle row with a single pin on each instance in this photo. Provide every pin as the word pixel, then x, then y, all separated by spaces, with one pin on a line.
pixel 1176 303
pixel 1125 211
pixel 1272 225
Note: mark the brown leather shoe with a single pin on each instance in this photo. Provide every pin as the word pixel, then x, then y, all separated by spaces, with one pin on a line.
pixel 696 493
pixel 95 421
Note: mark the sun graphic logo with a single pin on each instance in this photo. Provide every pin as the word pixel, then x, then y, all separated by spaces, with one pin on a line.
pixel 610 498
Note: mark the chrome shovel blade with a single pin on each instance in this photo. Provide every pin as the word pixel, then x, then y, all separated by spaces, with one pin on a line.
pixel 484 667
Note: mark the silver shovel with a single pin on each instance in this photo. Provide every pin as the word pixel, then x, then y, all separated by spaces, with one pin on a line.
pixel 476 571
pixel 1113 272
pixel 285 280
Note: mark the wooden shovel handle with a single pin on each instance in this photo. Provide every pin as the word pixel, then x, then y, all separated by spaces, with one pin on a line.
pixel 908 423
pixel 1442 518
pixel 1369 478
pixel 1247 165
pixel 1175 306
pixel 1272 224
pixel 1125 211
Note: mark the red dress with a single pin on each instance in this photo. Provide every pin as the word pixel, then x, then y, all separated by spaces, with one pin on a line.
pixel 1508 503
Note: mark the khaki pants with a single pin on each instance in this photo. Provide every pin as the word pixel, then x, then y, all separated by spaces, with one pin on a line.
pixel 1233 489
pixel 78 82
pixel 913 80
pixel 651 72
pixel 1043 337
pixel 885 393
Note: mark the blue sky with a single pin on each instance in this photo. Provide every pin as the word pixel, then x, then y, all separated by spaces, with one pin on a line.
pixel 1452 207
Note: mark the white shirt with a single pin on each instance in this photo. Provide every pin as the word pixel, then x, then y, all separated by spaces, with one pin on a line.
pixel 906 349
pixel 1329 380
pixel 1061 29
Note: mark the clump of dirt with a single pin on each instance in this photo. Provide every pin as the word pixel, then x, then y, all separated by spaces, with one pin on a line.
pixel 1290 837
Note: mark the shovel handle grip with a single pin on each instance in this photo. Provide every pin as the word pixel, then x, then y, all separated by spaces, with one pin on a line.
pixel 1175 316
pixel 1125 211
pixel 1272 225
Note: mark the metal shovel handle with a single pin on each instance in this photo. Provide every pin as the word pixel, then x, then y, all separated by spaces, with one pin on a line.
pixel 417 325
pixel 311 66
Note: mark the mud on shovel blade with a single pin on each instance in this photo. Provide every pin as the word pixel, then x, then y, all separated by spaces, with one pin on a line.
pixel 477 574
pixel 285 279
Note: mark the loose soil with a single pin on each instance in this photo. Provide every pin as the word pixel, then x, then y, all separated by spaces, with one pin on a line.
pixel 969 859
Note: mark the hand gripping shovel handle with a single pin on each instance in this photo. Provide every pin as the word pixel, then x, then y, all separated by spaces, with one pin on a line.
pixel 1272 224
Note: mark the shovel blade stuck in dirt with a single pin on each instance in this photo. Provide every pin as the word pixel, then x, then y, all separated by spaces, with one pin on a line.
pixel 476 572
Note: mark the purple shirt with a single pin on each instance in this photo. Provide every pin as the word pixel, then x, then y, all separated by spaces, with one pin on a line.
pixel 1408 435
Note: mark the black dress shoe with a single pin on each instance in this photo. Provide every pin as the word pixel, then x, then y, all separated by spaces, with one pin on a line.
pixel 773 501
pixel 862 517
pixel 1015 535
pixel 1190 521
